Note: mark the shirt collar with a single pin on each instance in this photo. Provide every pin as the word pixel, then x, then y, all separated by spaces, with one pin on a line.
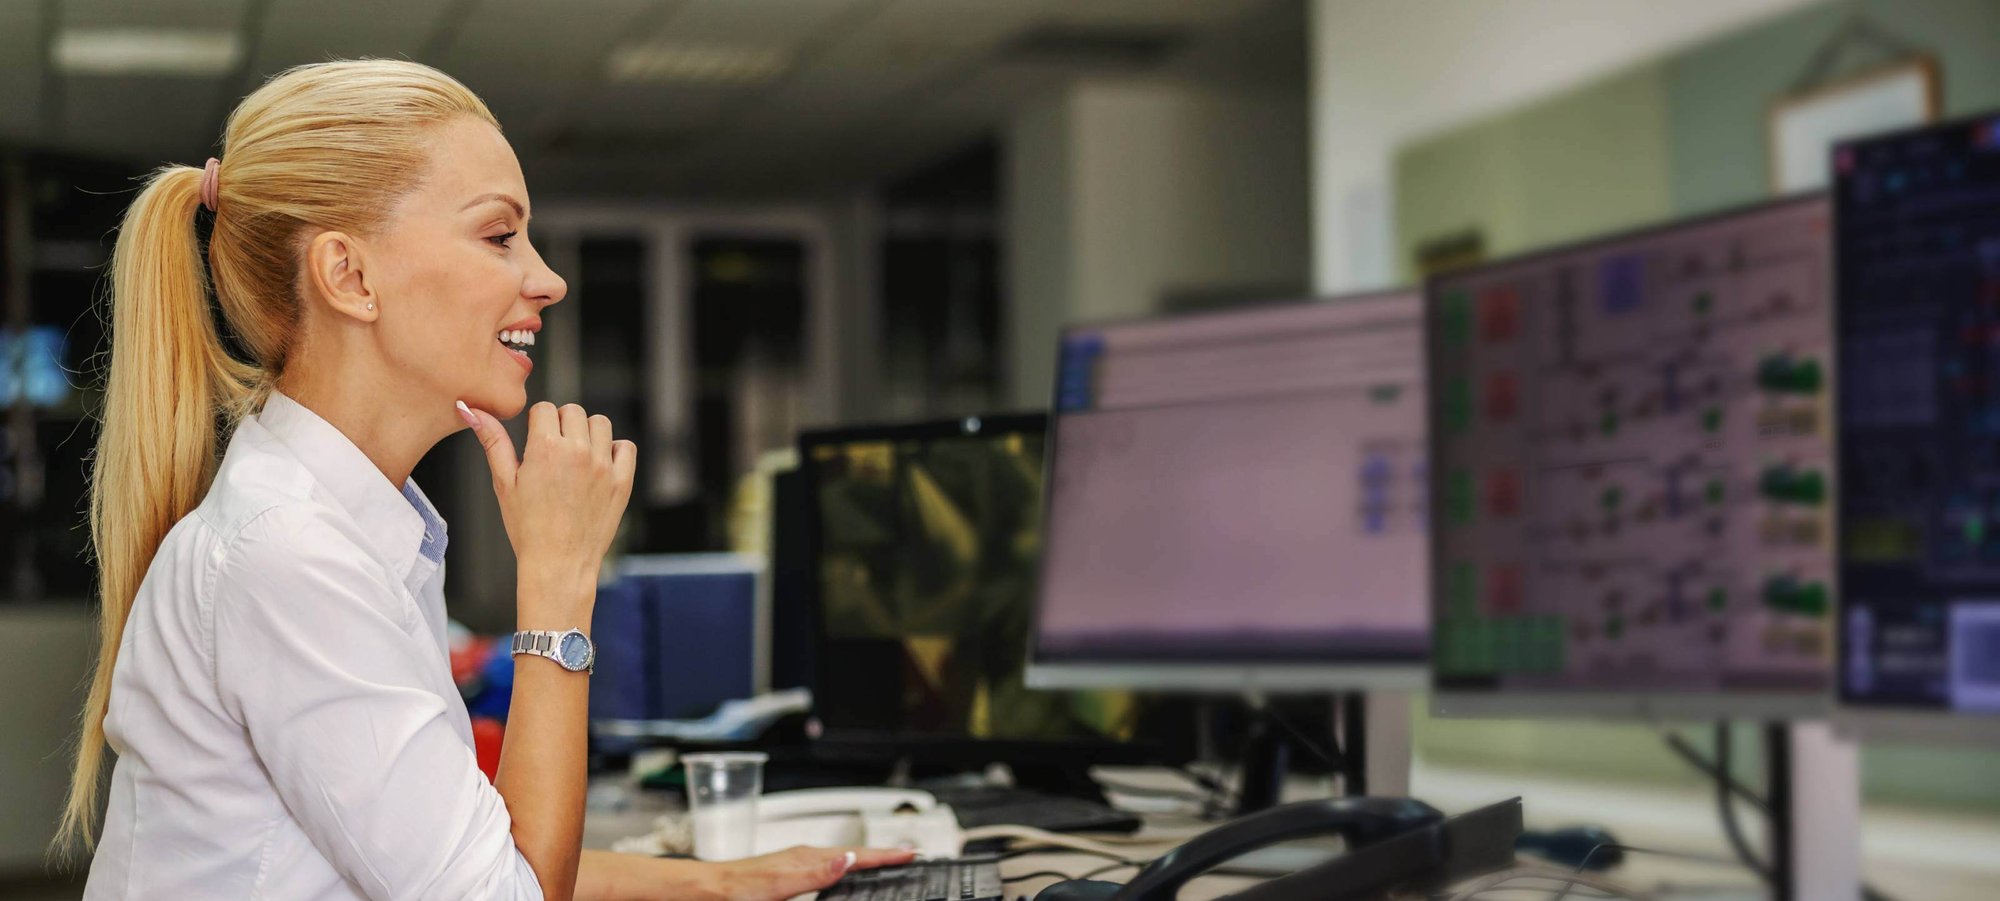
pixel 400 526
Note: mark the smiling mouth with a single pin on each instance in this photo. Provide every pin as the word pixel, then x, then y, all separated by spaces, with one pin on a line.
pixel 517 342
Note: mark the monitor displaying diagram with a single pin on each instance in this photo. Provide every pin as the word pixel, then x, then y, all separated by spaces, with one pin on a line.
pixel 1633 448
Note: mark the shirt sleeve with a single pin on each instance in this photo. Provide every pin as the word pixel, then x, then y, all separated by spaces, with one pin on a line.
pixel 311 657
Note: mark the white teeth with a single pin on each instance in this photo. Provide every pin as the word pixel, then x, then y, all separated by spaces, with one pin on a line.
pixel 531 338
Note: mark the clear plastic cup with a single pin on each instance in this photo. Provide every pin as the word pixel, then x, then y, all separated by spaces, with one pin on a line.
pixel 722 802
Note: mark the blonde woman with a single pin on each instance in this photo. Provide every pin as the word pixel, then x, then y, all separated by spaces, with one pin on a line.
pixel 272 672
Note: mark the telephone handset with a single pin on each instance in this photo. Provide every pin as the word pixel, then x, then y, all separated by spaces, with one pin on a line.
pixel 828 818
pixel 807 802
pixel 1391 843
pixel 875 817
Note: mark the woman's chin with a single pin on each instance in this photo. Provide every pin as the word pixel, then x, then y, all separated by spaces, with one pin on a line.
pixel 505 403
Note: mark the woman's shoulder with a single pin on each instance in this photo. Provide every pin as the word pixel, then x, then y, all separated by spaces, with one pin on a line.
pixel 254 482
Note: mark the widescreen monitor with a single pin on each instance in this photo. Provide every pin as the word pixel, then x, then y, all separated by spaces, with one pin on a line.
pixel 1237 502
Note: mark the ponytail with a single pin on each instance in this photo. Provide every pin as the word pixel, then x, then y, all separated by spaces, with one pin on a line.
pixel 171 388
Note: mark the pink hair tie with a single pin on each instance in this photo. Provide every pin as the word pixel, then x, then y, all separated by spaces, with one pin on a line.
pixel 210 176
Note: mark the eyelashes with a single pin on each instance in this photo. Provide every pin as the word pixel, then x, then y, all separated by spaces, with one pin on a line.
pixel 502 240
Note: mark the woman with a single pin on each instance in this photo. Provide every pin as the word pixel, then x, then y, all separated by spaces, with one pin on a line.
pixel 272 670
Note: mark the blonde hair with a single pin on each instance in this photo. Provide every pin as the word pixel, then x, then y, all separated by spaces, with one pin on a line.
pixel 324 146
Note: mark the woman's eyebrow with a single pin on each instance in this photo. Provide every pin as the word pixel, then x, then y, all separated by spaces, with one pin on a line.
pixel 519 210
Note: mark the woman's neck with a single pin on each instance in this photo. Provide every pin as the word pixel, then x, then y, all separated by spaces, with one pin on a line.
pixel 380 420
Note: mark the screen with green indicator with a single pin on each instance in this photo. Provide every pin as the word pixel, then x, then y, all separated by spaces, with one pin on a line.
pixel 1634 451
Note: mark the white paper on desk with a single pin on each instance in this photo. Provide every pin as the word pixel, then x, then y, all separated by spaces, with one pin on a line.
pixel 739 720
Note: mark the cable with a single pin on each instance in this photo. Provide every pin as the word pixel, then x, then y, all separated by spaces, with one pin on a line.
pixel 1330 758
pixel 1013 853
pixel 1680 746
pixel 1204 780
pixel 1046 839
pixel 1093 874
pixel 1038 874
pixel 1725 802
pixel 1729 790
pixel 1635 849
pixel 1569 880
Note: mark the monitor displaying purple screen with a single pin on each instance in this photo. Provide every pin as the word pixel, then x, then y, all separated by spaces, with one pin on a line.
pixel 1240 487
pixel 1634 443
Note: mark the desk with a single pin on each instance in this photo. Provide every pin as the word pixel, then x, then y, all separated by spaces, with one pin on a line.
pixel 1168 833
pixel 1162 833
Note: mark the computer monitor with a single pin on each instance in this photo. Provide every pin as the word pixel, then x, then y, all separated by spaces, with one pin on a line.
pixel 1918 233
pixel 1237 502
pixel 1633 447
pixel 924 540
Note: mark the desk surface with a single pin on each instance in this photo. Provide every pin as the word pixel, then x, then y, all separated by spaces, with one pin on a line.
pixel 1927 856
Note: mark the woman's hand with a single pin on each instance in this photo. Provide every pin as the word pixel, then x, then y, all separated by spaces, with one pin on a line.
pixel 605 876
pixel 562 498
pixel 796 871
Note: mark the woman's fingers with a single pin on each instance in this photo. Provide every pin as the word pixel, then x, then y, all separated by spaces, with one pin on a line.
pixel 800 870
pixel 870 858
pixel 542 422
pixel 575 423
pixel 500 456
pixel 600 439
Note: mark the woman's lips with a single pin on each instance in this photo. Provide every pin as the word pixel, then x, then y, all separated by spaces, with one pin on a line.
pixel 521 358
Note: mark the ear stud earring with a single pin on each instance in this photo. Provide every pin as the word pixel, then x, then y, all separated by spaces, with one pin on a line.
pixel 371 307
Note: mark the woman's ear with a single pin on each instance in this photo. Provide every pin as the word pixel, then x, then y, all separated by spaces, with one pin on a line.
pixel 337 268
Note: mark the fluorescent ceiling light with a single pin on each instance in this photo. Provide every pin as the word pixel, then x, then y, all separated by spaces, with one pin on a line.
pixel 713 63
pixel 146 51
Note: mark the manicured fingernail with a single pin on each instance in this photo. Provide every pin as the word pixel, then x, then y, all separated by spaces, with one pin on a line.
pixel 465 413
pixel 847 862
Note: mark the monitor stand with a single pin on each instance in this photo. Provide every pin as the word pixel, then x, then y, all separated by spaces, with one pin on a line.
pixel 1068 780
pixel 1813 783
pixel 1374 749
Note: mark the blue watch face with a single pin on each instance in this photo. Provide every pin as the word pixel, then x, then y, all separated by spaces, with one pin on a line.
pixel 575 651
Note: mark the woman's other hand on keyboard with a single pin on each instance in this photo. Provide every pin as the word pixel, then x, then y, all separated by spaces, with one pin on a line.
pixel 796 871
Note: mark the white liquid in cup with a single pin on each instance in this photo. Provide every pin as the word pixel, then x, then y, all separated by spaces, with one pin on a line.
pixel 725 830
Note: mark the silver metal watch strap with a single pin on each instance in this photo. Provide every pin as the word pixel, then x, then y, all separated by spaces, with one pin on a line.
pixel 546 643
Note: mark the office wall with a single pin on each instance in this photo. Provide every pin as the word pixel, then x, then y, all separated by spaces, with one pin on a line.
pixel 43 689
pixel 1121 195
pixel 1718 92
pixel 1386 72
pixel 1581 163
pixel 1674 135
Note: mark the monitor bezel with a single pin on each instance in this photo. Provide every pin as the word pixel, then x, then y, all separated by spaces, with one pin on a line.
pixel 1882 721
pixel 1221 673
pixel 1450 702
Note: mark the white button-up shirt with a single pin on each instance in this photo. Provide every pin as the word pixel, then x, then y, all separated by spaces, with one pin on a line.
pixel 282 705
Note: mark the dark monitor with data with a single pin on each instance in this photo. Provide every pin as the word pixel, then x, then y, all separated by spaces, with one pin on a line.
pixel 1633 451
pixel 1237 502
pixel 1919 294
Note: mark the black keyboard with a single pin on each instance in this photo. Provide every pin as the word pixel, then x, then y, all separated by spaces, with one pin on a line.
pixel 990 806
pixel 968 879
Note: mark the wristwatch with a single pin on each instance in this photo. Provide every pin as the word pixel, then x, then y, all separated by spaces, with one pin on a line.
pixel 572 650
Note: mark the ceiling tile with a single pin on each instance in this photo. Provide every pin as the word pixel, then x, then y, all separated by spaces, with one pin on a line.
pixel 667 107
pixel 532 40
pixel 524 105
pixel 310 31
pixel 1140 13
pixel 761 23
pixel 151 14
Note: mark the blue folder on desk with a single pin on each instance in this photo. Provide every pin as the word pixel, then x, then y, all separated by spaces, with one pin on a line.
pixel 675 636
